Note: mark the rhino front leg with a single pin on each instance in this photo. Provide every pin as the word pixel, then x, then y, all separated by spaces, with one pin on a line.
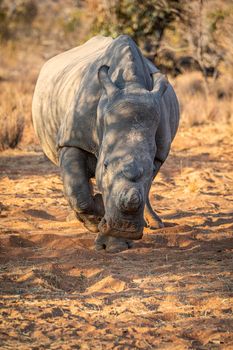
pixel 76 175
pixel 152 220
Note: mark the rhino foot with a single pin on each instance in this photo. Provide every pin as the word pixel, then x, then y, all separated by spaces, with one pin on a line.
pixel 151 219
pixel 153 223
pixel 112 244
pixel 90 222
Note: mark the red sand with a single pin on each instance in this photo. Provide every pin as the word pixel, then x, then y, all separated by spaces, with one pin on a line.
pixel 172 290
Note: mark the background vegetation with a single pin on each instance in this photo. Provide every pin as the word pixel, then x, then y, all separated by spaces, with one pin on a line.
pixel 191 41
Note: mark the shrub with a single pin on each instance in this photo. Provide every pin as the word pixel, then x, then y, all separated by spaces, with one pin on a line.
pixel 15 17
pixel 145 21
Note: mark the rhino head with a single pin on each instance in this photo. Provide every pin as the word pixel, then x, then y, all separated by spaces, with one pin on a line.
pixel 127 122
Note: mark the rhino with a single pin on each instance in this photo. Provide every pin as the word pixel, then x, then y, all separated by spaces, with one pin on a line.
pixel 102 110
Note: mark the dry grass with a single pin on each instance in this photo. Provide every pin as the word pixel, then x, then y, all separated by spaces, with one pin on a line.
pixel 17 81
pixel 11 117
pixel 197 107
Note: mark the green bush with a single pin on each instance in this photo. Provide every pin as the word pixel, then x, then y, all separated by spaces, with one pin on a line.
pixel 145 21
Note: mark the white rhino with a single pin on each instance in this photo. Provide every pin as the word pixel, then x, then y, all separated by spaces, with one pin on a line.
pixel 103 110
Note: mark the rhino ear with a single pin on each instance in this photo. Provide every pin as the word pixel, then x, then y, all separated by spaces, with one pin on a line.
pixel 106 82
pixel 160 84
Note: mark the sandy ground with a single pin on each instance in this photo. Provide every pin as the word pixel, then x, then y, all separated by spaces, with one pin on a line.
pixel 172 290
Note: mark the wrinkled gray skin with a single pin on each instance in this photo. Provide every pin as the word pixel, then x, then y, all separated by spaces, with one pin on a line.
pixel 103 110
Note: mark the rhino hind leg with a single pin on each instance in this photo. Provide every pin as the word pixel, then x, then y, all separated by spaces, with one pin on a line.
pixel 76 176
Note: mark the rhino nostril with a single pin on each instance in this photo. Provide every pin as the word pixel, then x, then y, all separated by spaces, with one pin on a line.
pixel 130 201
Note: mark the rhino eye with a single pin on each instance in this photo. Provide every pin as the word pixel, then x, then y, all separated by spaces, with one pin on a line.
pixel 106 164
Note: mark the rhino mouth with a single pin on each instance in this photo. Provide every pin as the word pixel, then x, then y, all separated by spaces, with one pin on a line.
pixel 121 228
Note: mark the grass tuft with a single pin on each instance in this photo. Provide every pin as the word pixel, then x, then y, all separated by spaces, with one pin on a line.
pixel 11 117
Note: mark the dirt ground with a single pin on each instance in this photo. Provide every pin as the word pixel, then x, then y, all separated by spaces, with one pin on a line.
pixel 172 290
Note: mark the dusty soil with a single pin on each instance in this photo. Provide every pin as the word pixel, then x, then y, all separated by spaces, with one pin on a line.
pixel 172 290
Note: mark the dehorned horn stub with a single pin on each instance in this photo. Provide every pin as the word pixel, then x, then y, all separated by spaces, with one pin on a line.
pixel 106 81
pixel 130 74
pixel 160 84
